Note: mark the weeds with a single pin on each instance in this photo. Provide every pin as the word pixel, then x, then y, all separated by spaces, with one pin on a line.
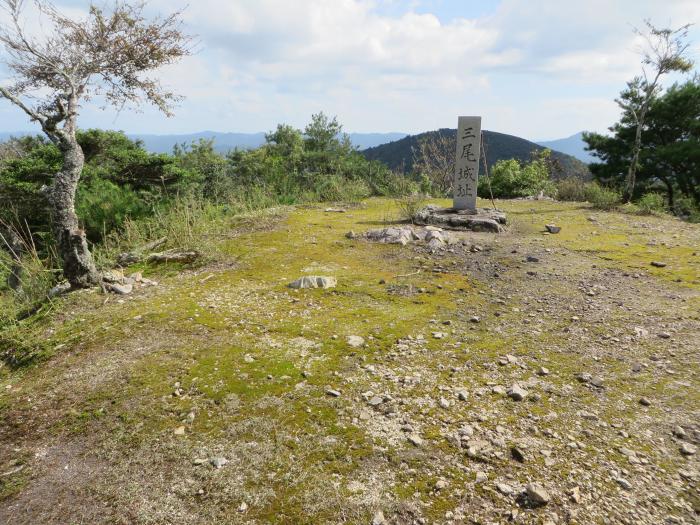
pixel 410 205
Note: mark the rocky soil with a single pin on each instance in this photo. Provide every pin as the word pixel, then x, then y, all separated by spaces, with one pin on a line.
pixel 434 377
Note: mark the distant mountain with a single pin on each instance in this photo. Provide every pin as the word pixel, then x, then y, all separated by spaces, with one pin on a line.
pixel 224 142
pixel 398 155
pixel 573 145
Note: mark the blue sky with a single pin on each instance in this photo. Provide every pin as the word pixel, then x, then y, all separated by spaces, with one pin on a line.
pixel 540 69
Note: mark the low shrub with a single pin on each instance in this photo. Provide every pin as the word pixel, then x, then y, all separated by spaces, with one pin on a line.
pixel 601 197
pixel 651 204
pixel 571 189
pixel 576 190
pixel 409 205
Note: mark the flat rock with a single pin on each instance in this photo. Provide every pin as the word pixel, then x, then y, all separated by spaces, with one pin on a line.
pixel 218 462
pixel 355 341
pixel 517 393
pixel 484 220
pixel 537 494
pixel 688 450
pixel 313 281
pixel 119 289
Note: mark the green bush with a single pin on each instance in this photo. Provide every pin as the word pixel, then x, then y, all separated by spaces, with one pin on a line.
pixel 651 204
pixel 571 189
pixel 602 198
pixel 577 190
pixel 512 179
pixel 687 209
pixel 103 207
pixel 410 205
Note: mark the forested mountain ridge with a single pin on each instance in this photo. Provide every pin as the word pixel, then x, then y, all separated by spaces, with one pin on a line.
pixel 398 155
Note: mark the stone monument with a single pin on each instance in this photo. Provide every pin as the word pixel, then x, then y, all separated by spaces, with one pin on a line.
pixel 467 163
pixel 464 215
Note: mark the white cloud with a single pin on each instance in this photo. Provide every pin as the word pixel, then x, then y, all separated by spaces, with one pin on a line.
pixel 267 61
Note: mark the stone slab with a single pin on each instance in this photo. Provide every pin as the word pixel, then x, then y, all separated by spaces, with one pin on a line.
pixel 480 220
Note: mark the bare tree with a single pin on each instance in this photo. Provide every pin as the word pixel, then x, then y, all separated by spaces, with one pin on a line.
pixel 435 158
pixel 105 55
pixel 665 51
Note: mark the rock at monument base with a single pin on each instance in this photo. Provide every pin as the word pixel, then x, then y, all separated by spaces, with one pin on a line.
pixel 484 220
pixel 314 281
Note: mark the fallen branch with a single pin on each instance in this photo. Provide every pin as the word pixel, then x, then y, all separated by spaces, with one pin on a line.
pixel 408 274
pixel 178 257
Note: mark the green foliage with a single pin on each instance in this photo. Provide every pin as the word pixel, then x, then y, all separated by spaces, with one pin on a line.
pixel 103 206
pixel 511 178
pixel 571 189
pixel 651 204
pixel 601 197
pixel 410 205
pixel 128 196
pixel 670 156
pixel 577 190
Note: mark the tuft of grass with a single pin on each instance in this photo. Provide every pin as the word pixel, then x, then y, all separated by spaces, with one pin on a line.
pixel 409 206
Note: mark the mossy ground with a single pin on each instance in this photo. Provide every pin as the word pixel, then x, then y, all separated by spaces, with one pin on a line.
pixel 244 363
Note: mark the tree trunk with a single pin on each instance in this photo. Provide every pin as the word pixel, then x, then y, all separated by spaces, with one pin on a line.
pixel 78 265
pixel 669 192
pixel 632 171
pixel 14 246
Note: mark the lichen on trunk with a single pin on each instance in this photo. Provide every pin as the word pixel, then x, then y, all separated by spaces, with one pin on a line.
pixel 78 265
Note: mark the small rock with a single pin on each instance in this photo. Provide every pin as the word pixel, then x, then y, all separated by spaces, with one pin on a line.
pixel 475 319
pixel 551 228
pixel 517 393
pixel 576 494
pixel 355 341
pixel 218 462
pixel 532 259
pixel 481 477
pixel 499 390
pixel 542 371
pixel 644 401
pixel 537 494
pixel 444 403
pixel 179 431
pixel 243 507
pixel 584 377
pixel 665 335
pixel 658 264
pixel 518 454
pixel 440 484
pixel 378 518
pixel 415 440
pixel 624 483
pixel 688 450
pixel 333 393
pixel 375 401
pixel 462 394
pixel 597 381
pixel 679 432
pixel 504 488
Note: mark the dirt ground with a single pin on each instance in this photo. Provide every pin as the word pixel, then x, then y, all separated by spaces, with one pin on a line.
pixel 518 377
